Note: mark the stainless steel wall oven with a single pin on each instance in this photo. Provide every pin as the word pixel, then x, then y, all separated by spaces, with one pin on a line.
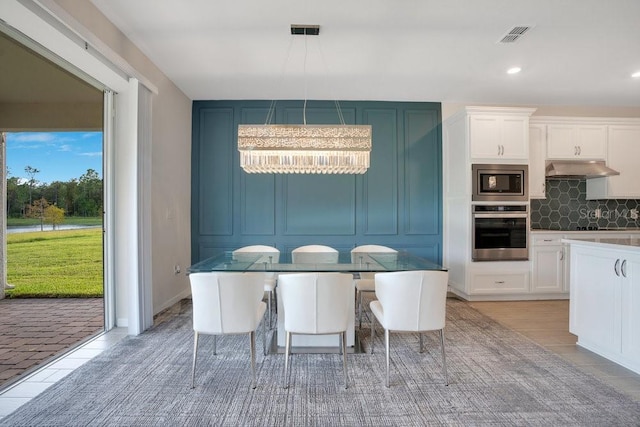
pixel 500 233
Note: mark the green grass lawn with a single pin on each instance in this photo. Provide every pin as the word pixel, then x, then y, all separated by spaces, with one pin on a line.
pixel 52 264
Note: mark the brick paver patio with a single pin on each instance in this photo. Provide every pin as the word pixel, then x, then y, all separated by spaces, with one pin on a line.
pixel 35 330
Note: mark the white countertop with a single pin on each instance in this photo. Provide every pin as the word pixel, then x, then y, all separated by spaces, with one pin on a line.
pixel 578 232
pixel 632 244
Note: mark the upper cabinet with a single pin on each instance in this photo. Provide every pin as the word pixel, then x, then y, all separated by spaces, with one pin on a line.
pixel 498 133
pixel 623 153
pixel 575 141
pixel 537 157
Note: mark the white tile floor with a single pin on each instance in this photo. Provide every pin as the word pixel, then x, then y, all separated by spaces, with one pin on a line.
pixel 20 393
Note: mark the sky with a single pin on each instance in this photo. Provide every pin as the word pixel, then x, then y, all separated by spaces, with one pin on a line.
pixel 59 156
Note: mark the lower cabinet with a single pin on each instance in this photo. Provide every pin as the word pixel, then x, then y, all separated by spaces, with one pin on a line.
pixel 546 275
pixel 630 309
pixel 605 302
pixel 548 269
pixel 595 297
pixel 500 283
pixel 548 264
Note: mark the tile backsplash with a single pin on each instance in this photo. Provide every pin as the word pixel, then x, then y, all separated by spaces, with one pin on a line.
pixel 566 208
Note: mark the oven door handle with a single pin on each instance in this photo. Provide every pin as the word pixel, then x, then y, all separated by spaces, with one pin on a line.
pixel 500 215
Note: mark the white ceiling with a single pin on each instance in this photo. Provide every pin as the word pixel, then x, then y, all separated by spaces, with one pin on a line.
pixel 579 52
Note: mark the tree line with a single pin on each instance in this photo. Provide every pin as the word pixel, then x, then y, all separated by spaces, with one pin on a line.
pixel 31 198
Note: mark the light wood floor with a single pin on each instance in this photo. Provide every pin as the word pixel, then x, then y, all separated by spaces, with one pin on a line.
pixel 547 323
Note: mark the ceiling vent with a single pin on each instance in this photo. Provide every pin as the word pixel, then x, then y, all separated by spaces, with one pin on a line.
pixel 307 30
pixel 514 34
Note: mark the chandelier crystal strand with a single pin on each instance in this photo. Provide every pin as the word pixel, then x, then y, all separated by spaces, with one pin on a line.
pixel 304 149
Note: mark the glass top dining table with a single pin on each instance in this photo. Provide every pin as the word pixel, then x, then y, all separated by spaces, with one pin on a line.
pixel 358 263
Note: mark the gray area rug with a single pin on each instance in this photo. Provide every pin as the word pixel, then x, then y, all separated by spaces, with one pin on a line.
pixel 497 377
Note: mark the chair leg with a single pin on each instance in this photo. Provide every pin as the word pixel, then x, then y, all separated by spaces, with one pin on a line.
pixel 269 307
pixel 343 339
pixel 264 337
pixel 195 353
pixel 275 301
pixel 444 358
pixel 215 342
pixel 386 345
pixel 373 331
pixel 286 358
pixel 359 309
pixel 252 345
pixel 421 346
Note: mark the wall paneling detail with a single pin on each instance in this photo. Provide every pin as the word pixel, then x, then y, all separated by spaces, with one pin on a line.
pixel 397 203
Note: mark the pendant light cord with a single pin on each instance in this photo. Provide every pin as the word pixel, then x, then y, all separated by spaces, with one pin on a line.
pixel 272 107
pixel 326 71
pixel 304 72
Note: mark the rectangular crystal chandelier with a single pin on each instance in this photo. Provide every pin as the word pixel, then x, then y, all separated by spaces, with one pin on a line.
pixel 322 149
pixel 304 148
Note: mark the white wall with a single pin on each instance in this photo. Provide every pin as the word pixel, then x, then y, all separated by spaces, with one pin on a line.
pixel 171 195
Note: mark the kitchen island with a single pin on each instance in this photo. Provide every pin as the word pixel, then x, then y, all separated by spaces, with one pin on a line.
pixel 604 307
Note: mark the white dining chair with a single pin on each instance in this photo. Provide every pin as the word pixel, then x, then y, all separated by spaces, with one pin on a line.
pixel 316 304
pixel 365 282
pixel 411 301
pixel 227 303
pixel 314 254
pixel 266 254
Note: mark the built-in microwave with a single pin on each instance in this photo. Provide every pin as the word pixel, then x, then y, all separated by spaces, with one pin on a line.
pixel 499 183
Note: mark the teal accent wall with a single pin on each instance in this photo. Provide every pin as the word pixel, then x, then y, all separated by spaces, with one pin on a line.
pixel 397 202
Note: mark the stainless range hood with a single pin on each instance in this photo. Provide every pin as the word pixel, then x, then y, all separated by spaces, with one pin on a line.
pixel 567 169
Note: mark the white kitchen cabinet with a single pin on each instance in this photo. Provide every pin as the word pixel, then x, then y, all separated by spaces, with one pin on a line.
pixel 480 135
pixel 496 136
pixel 595 296
pixel 623 152
pixel 567 269
pixel 537 157
pixel 551 259
pixel 496 283
pixel 548 264
pixel 630 310
pixel 576 141
pixel 605 302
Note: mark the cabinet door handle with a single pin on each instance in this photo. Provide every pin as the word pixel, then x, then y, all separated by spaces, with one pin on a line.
pixel 547 240
pixel 579 150
pixel 575 150
pixel 623 268
pixel 500 282
pixel 502 149
pixel 498 149
pixel 562 255
pixel 615 267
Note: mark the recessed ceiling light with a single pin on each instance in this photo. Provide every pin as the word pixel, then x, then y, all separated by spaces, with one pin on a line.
pixel 636 74
pixel 514 70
